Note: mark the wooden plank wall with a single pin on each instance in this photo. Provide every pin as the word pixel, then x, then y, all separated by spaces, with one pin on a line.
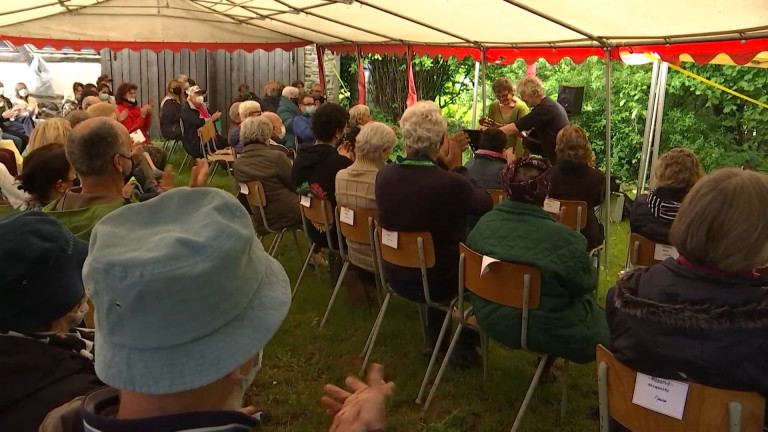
pixel 219 71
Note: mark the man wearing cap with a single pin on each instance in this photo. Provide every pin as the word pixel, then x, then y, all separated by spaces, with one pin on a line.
pixel 45 362
pixel 179 344
pixel 194 115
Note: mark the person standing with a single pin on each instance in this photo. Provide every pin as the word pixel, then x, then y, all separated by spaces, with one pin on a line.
pixel 508 109
pixel 543 122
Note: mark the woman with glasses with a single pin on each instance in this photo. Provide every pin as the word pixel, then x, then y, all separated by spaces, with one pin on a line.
pixel 506 109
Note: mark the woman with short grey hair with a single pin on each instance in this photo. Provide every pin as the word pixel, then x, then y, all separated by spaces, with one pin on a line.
pixel 249 109
pixel 359 115
pixel 355 188
pixel 423 127
pixel 260 161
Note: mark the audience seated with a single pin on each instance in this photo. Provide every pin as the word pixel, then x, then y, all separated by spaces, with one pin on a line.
pixel 356 188
pixel 90 90
pixel 262 161
pixel 101 109
pixel 195 115
pixel 45 361
pixel 76 117
pixel 302 124
pixel 105 93
pixel 244 94
pixel 9 185
pixel 674 175
pixel 249 109
pixel 128 112
pixel 72 102
pixel 568 322
pixel 317 90
pixel 702 317
pixel 46 176
pixel 416 194
pixel 288 110
pixel 278 130
pixel 233 137
pixel 299 85
pixel 25 107
pixel 575 178
pixel 489 159
pixel 50 131
pixel 179 345
pixel 90 99
pixel 12 124
pixel 273 90
pixel 359 115
pixel 170 112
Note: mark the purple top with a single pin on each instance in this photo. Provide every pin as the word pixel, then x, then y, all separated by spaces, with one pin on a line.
pixel 234 138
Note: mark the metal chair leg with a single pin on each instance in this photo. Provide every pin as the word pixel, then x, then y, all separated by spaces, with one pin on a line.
pixel 564 401
pixel 484 348
pixel 435 353
pixel 440 372
pixel 303 269
pixel 184 162
pixel 529 394
pixel 335 291
pixel 213 172
pixel 375 332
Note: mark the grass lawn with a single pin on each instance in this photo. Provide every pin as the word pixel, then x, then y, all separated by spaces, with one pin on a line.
pixel 301 359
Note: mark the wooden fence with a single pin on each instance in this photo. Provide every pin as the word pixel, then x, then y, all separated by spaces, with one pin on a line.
pixel 220 72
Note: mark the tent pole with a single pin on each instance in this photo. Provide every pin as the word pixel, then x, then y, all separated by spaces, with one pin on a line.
pixel 474 97
pixel 483 80
pixel 663 74
pixel 607 205
pixel 642 174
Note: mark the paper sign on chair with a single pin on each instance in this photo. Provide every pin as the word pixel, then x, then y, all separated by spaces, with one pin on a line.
pixel 389 238
pixel 305 201
pixel 663 252
pixel 347 216
pixel 660 395
pixel 486 262
pixel 551 206
pixel 243 188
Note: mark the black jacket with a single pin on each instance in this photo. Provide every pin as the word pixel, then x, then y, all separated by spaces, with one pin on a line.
pixel 170 119
pixel 37 377
pixel 192 121
pixel 316 168
pixel 642 220
pixel 673 321
pixel 577 181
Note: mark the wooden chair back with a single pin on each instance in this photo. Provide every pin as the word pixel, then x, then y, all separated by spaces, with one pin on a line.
pixel 706 408
pixel 314 213
pixel 407 252
pixel 359 230
pixel 256 196
pixel 503 282
pixel 573 214
pixel 642 252
pixel 207 133
pixel 497 195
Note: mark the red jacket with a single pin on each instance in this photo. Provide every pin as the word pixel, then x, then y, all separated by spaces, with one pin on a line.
pixel 134 121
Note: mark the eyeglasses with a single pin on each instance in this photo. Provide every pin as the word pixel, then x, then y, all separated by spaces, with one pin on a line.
pixel 254 114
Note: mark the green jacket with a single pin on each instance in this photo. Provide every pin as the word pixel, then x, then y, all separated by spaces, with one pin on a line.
pixel 81 221
pixel 568 322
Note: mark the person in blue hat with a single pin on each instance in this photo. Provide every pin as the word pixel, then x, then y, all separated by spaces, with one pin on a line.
pixel 45 362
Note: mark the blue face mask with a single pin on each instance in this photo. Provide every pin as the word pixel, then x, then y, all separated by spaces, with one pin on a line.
pixel 311 109
pixel 104 96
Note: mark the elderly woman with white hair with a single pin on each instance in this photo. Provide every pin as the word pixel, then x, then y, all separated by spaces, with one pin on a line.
pixel 359 115
pixel 355 188
pixel 288 110
pixel 418 194
pixel 544 121
pixel 233 137
pixel 260 161
pixel 249 109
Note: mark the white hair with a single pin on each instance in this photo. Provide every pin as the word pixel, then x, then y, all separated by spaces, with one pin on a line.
pixel 255 129
pixel 375 142
pixel 357 113
pixel 247 108
pixel 423 126
pixel 291 92
pixel 530 86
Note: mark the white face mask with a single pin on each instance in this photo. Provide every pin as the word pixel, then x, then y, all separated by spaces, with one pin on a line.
pixel 130 99
pixel 186 85
pixel 245 383
pixel 199 100
pixel 23 93
pixel 282 132
pixel 2 90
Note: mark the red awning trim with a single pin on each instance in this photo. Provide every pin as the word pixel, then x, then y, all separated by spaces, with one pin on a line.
pixel 400 50
pixel 741 52
pixel 553 56
pixel 153 46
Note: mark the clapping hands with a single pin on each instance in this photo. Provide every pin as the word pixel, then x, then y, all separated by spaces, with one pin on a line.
pixel 362 410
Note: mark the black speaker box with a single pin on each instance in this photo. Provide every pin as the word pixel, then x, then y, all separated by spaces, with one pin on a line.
pixel 571 98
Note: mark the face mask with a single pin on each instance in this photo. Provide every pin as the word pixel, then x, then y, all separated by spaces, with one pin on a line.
pixel 2 90
pixel 23 93
pixel 131 100
pixel 282 132
pixel 246 96
pixel 246 382
pixel 104 96
pixel 199 100
pixel 311 109
pixel 186 85
pixel 176 91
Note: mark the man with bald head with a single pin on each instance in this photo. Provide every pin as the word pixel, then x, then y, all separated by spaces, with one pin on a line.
pixel 88 101
pixel 278 132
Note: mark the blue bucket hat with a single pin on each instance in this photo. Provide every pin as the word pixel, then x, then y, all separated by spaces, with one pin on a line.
pixel 183 290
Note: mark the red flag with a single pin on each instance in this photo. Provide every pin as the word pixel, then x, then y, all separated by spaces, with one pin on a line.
pixel 320 66
pixel 360 78
pixel 412 97
pixel 530 70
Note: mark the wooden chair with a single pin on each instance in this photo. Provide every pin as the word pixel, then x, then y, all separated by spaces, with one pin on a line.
pixel 644 252
pixel 572 214
pixel 413 250
pixel 257 199
pixel 497 195
pixel 361 230
pixel 318 211
pixel 706 408
pixel 511 285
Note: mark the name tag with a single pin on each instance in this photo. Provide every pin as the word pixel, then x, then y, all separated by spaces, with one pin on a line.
pixel 347 216
pixel 243 188
pixel 551 206
pixel 305 201
pixel 389 238
pixel 661 395
pixel 663 252
pixel 486 262
pixel 137 137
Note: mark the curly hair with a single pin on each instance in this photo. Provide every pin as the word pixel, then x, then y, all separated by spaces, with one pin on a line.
pixel 679 168
pixel 572 144
pixel 423 126
pixel 503 84
pixel 328 120
pixel 530 86
pixel 122 90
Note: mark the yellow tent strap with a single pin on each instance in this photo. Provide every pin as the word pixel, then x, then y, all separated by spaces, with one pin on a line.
pixel 713 84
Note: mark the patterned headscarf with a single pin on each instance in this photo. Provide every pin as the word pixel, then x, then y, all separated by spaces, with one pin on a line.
pixel 532 191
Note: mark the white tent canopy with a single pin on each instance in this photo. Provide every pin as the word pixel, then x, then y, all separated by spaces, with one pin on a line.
pixel 438 23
